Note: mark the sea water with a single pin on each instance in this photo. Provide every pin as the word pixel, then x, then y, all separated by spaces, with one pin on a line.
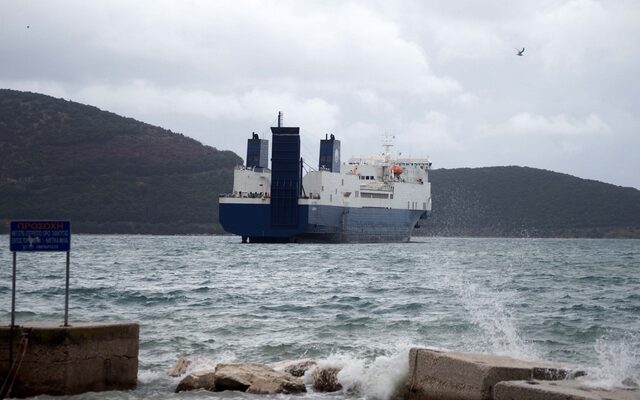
pixel 357 306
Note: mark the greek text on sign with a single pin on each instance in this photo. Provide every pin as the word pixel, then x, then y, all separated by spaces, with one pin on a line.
pixel 40 236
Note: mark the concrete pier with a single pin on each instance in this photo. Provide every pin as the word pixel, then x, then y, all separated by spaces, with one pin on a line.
pixel 56 360
pixel 446 375
pixel 563 390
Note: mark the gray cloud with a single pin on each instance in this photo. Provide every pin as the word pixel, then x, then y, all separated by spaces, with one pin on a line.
pixel 441 76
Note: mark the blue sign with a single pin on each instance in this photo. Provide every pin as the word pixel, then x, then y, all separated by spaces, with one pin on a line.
pixel 40 235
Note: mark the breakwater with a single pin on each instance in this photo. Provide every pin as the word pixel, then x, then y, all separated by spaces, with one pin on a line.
pixel 431 374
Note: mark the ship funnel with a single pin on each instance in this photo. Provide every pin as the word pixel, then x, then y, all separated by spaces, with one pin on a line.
pixel 257 152
pixel 329 154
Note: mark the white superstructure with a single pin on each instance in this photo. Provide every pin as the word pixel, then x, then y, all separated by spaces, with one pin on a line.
pixel 375 181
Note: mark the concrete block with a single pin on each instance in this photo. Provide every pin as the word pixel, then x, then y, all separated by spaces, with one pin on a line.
pixel 559 390
pixel 70 360
pixel 443 375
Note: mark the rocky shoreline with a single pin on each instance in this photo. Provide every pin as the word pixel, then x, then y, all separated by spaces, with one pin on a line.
pixel 432 374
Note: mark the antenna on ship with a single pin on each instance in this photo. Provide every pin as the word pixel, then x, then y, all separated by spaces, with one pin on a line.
pixel 280 115
pixel 387 144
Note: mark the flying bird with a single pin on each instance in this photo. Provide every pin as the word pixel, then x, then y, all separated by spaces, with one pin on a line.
pixel 520 52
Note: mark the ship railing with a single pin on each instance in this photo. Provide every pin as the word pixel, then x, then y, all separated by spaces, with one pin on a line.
pixel 252 169
pixel 247 195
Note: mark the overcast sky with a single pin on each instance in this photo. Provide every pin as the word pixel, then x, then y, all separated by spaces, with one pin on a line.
pixel 442 76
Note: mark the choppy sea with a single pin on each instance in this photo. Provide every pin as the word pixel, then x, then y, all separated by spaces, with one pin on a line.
pixel 361 306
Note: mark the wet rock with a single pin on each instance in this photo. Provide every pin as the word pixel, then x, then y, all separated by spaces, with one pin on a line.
pixel 200 380
pixel 558 390
pixel 453 375
pixel 296 368
pixel 255 378
pixel 325 379
pixel 179 368
pixel 630 382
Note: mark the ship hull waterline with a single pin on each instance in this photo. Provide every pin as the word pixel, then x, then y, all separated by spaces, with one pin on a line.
pixel 320 224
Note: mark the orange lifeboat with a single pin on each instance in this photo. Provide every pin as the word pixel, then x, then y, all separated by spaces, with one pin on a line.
pixel 396 170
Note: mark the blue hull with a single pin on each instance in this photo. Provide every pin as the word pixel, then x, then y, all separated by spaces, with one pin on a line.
pixel 320 224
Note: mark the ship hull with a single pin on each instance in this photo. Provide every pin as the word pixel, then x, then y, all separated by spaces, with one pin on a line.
pixel 320 224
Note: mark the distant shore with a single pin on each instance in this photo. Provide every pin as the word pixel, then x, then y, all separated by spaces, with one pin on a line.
pixel 629 235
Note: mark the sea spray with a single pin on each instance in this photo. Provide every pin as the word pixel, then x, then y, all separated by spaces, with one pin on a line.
pixel 487 305
pixel 618 361
pixel 385 378
pixel 382 378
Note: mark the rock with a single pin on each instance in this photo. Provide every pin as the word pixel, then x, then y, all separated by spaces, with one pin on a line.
pixel 201 380
pixel 453 375
pixel 326 379
pixel 255 378
pixel 179 368
pixel 296 368
pixel 558 390
pixel 630 382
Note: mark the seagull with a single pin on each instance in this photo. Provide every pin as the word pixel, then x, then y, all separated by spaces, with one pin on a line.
pixel 520 52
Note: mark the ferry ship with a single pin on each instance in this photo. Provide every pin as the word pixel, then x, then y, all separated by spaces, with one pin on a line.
pixel 372 199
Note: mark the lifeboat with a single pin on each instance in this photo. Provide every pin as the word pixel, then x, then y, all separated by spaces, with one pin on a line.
pixel 396 170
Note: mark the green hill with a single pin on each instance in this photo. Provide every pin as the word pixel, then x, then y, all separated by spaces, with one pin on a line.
pixel 107 174
pixel 528 202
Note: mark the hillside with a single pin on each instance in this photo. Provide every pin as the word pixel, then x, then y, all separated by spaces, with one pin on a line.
pixel 528 202
pixel 107 174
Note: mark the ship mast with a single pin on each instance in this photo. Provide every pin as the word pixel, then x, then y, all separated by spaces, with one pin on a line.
pixel 387 144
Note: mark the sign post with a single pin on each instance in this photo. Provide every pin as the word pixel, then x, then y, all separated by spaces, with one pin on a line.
pixel 13 310
pixel 34 236
pixel 66 295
